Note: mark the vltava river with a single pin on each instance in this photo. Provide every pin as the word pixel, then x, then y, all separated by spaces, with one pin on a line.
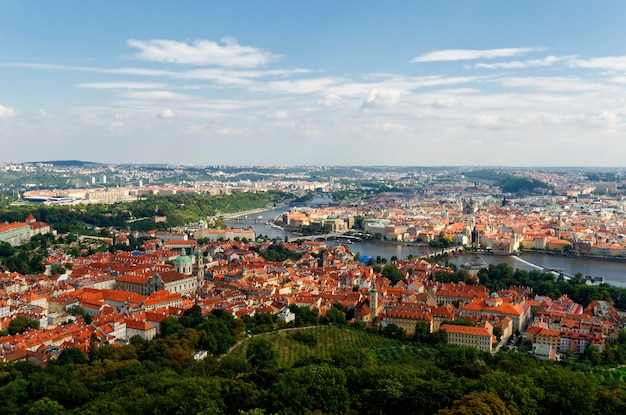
pixel 614 273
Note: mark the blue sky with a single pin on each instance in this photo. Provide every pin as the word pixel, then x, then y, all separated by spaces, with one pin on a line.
pixel 532 83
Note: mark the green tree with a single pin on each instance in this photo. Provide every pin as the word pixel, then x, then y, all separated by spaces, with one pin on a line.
pixel 519 392
pixel 46 406
pixel 593 354
pixel 21 323
pixel 393 274
pixel 311 388
pixel 6 250
pixel 497 331
pixel 477 403
pixel 393 331
pixel 334 316
pixel 73 355
pixel 261 354
pixel 566 391
pixel 344 357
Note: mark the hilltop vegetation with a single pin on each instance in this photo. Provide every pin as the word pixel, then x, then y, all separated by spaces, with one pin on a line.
pixel 510 183
pixel 502 276
pixel 325 370
pixel 179 209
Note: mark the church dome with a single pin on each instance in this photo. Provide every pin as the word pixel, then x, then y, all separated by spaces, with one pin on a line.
pixel 494 300
pixel 182 259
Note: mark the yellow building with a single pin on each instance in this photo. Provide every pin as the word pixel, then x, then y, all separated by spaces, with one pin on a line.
pixel 480 338
pixel 407 318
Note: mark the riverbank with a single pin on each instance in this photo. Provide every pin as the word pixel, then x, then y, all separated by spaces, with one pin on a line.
pixel 613 270
pixel 574 255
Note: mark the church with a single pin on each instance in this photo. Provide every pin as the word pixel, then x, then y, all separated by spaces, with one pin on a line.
pixel 181 280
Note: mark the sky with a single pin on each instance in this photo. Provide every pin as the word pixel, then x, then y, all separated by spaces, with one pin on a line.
pixel 325 82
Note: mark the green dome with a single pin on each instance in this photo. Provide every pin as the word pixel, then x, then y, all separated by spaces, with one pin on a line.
pixel 183 259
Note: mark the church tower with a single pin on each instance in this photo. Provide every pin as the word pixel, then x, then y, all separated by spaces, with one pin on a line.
pixel 200 265
pixel 373 300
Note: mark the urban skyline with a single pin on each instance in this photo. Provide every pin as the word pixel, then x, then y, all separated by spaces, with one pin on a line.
pixel 356 83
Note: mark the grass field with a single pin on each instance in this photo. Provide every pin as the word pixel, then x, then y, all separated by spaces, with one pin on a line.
pixel 328 339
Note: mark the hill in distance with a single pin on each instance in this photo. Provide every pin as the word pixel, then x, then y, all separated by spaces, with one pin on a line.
pixel 69 163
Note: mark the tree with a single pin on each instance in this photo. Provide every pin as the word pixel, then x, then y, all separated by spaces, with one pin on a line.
pixel 334 316
pixel 498 332
pixel 392 331
pixel 344 357
pixel 261 354
pixel 519 392
pixel 422 330
pixel 21 323
pixel 6 250
pixel 170 325
pixel 477 403
pixel 73 355
pixel 566 392
pixel 46 406
pixel 393 274
pixel 79 310
pixel 311 388
pixel 593 354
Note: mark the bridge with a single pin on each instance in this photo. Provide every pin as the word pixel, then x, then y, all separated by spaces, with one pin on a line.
pixel 327 237
pixel 453 250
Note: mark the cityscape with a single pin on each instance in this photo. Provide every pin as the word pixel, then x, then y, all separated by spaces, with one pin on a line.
pixel 312 208
pixel 307 246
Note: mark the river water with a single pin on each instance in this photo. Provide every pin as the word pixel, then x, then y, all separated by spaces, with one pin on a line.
pixel 614 273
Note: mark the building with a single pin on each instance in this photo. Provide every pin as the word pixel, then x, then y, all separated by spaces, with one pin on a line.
pixel 16 233
pixel 544 351
pixel 494 306
pixel 286 315
pixel 407 317
pixel 173 281
pixel 480 338
pixel 37 228
pixel 141 328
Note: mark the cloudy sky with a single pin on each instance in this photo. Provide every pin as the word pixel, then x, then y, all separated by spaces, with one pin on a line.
pixel 326 82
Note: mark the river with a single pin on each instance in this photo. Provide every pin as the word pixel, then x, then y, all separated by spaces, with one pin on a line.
pixel 614 273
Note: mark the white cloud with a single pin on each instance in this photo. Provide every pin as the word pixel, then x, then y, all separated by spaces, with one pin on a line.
pixel 167 113
pixel 230 132
pixel 605 119
pixel 485 121
pixel 6 112
pixel 562 84
pixel 120 71
pixel 533 63
pixel 152 95
pixel 120 85
pixel 470 54
pixel 329 100
pixel 388 127
pixel 444 103
pixel 298 86
pixel 614 63
pixel 231 77
pixel 116 126
pixel 618 79
pixel 279 115
pixel 202 52
pixel 381 98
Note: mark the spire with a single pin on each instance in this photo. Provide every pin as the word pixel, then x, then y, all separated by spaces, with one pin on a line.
pixel 200 270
